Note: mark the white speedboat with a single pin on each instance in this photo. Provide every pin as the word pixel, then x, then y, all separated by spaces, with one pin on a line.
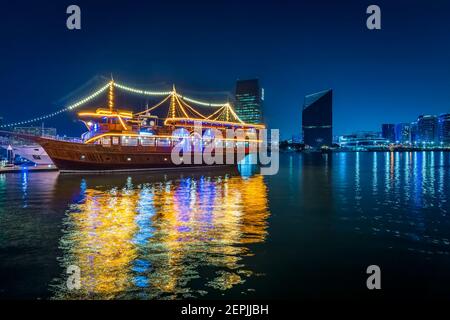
pixel 34 153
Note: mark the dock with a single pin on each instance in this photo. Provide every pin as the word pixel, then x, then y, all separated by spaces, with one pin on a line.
pixel 18 169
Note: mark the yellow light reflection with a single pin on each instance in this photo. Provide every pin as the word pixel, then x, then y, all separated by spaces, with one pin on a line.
pixel 152 240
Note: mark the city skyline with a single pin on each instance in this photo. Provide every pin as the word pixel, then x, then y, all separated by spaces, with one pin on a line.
pixel 225 155
pixel 248 103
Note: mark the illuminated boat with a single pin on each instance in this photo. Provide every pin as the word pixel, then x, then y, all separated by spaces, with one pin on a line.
pixel 118 140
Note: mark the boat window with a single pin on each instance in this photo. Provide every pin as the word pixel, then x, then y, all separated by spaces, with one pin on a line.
pixel 146 141
pixel 129 141
pixel 163 142
pixel 115 140
pixel 106 141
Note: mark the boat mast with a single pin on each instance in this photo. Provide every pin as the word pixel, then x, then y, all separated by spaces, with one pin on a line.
pixel 111 95
pixel 172 109
pixel 111 98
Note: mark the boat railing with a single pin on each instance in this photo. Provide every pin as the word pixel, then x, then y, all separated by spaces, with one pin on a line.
pixel 90 134
pixel 63 138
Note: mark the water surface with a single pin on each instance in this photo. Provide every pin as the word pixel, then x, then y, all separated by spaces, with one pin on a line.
pixel 308 232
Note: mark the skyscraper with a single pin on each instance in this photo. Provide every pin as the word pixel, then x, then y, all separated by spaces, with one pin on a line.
pixel 249 100
pixel 444 128
pixel 427 126
pixel 388 132
pixel 403 132
pixel 414 132
pixel 317 119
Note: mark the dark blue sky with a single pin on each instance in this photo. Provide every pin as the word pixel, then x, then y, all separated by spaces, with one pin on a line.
pixel 294 47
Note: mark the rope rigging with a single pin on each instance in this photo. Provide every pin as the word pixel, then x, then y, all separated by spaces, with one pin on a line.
pixel 178 102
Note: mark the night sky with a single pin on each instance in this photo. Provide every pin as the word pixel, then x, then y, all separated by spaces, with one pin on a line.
pixel 294 47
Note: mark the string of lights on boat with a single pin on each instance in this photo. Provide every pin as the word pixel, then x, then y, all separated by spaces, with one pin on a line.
pixel 88 98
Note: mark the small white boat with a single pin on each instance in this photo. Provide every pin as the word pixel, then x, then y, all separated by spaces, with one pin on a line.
pixel 34 153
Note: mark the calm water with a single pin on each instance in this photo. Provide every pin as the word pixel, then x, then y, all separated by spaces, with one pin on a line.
pixel 308 232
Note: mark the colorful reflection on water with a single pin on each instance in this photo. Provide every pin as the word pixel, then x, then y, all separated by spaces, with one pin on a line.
pixel 206 235
pixel 151 240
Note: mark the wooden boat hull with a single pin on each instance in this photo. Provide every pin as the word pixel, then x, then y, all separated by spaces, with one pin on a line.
pixel 80 157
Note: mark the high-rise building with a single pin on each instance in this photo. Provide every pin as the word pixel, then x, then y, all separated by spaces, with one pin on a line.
pixel 403 133
pixel 249 101
pixel 388 132
pixel 444 128
pixel 317 119
pixel 427 126
pixel 414 132
pixel 3 140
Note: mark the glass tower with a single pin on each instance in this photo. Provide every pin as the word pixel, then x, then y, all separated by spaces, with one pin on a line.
pixel 317 119
pixel 388 132
pixel 414 132
pixel 428 128
pixel 403 132
pixel 444 128
pixel 249 99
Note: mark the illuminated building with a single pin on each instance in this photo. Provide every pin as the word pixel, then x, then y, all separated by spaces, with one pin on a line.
pixel 444 128
pixel 364 140
pixel 249 101
pixel 388 132
pixel 317 119
pixel 428 128
pixel 414 132
pixel 296 139
pixel 403 133
pixel 10 155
